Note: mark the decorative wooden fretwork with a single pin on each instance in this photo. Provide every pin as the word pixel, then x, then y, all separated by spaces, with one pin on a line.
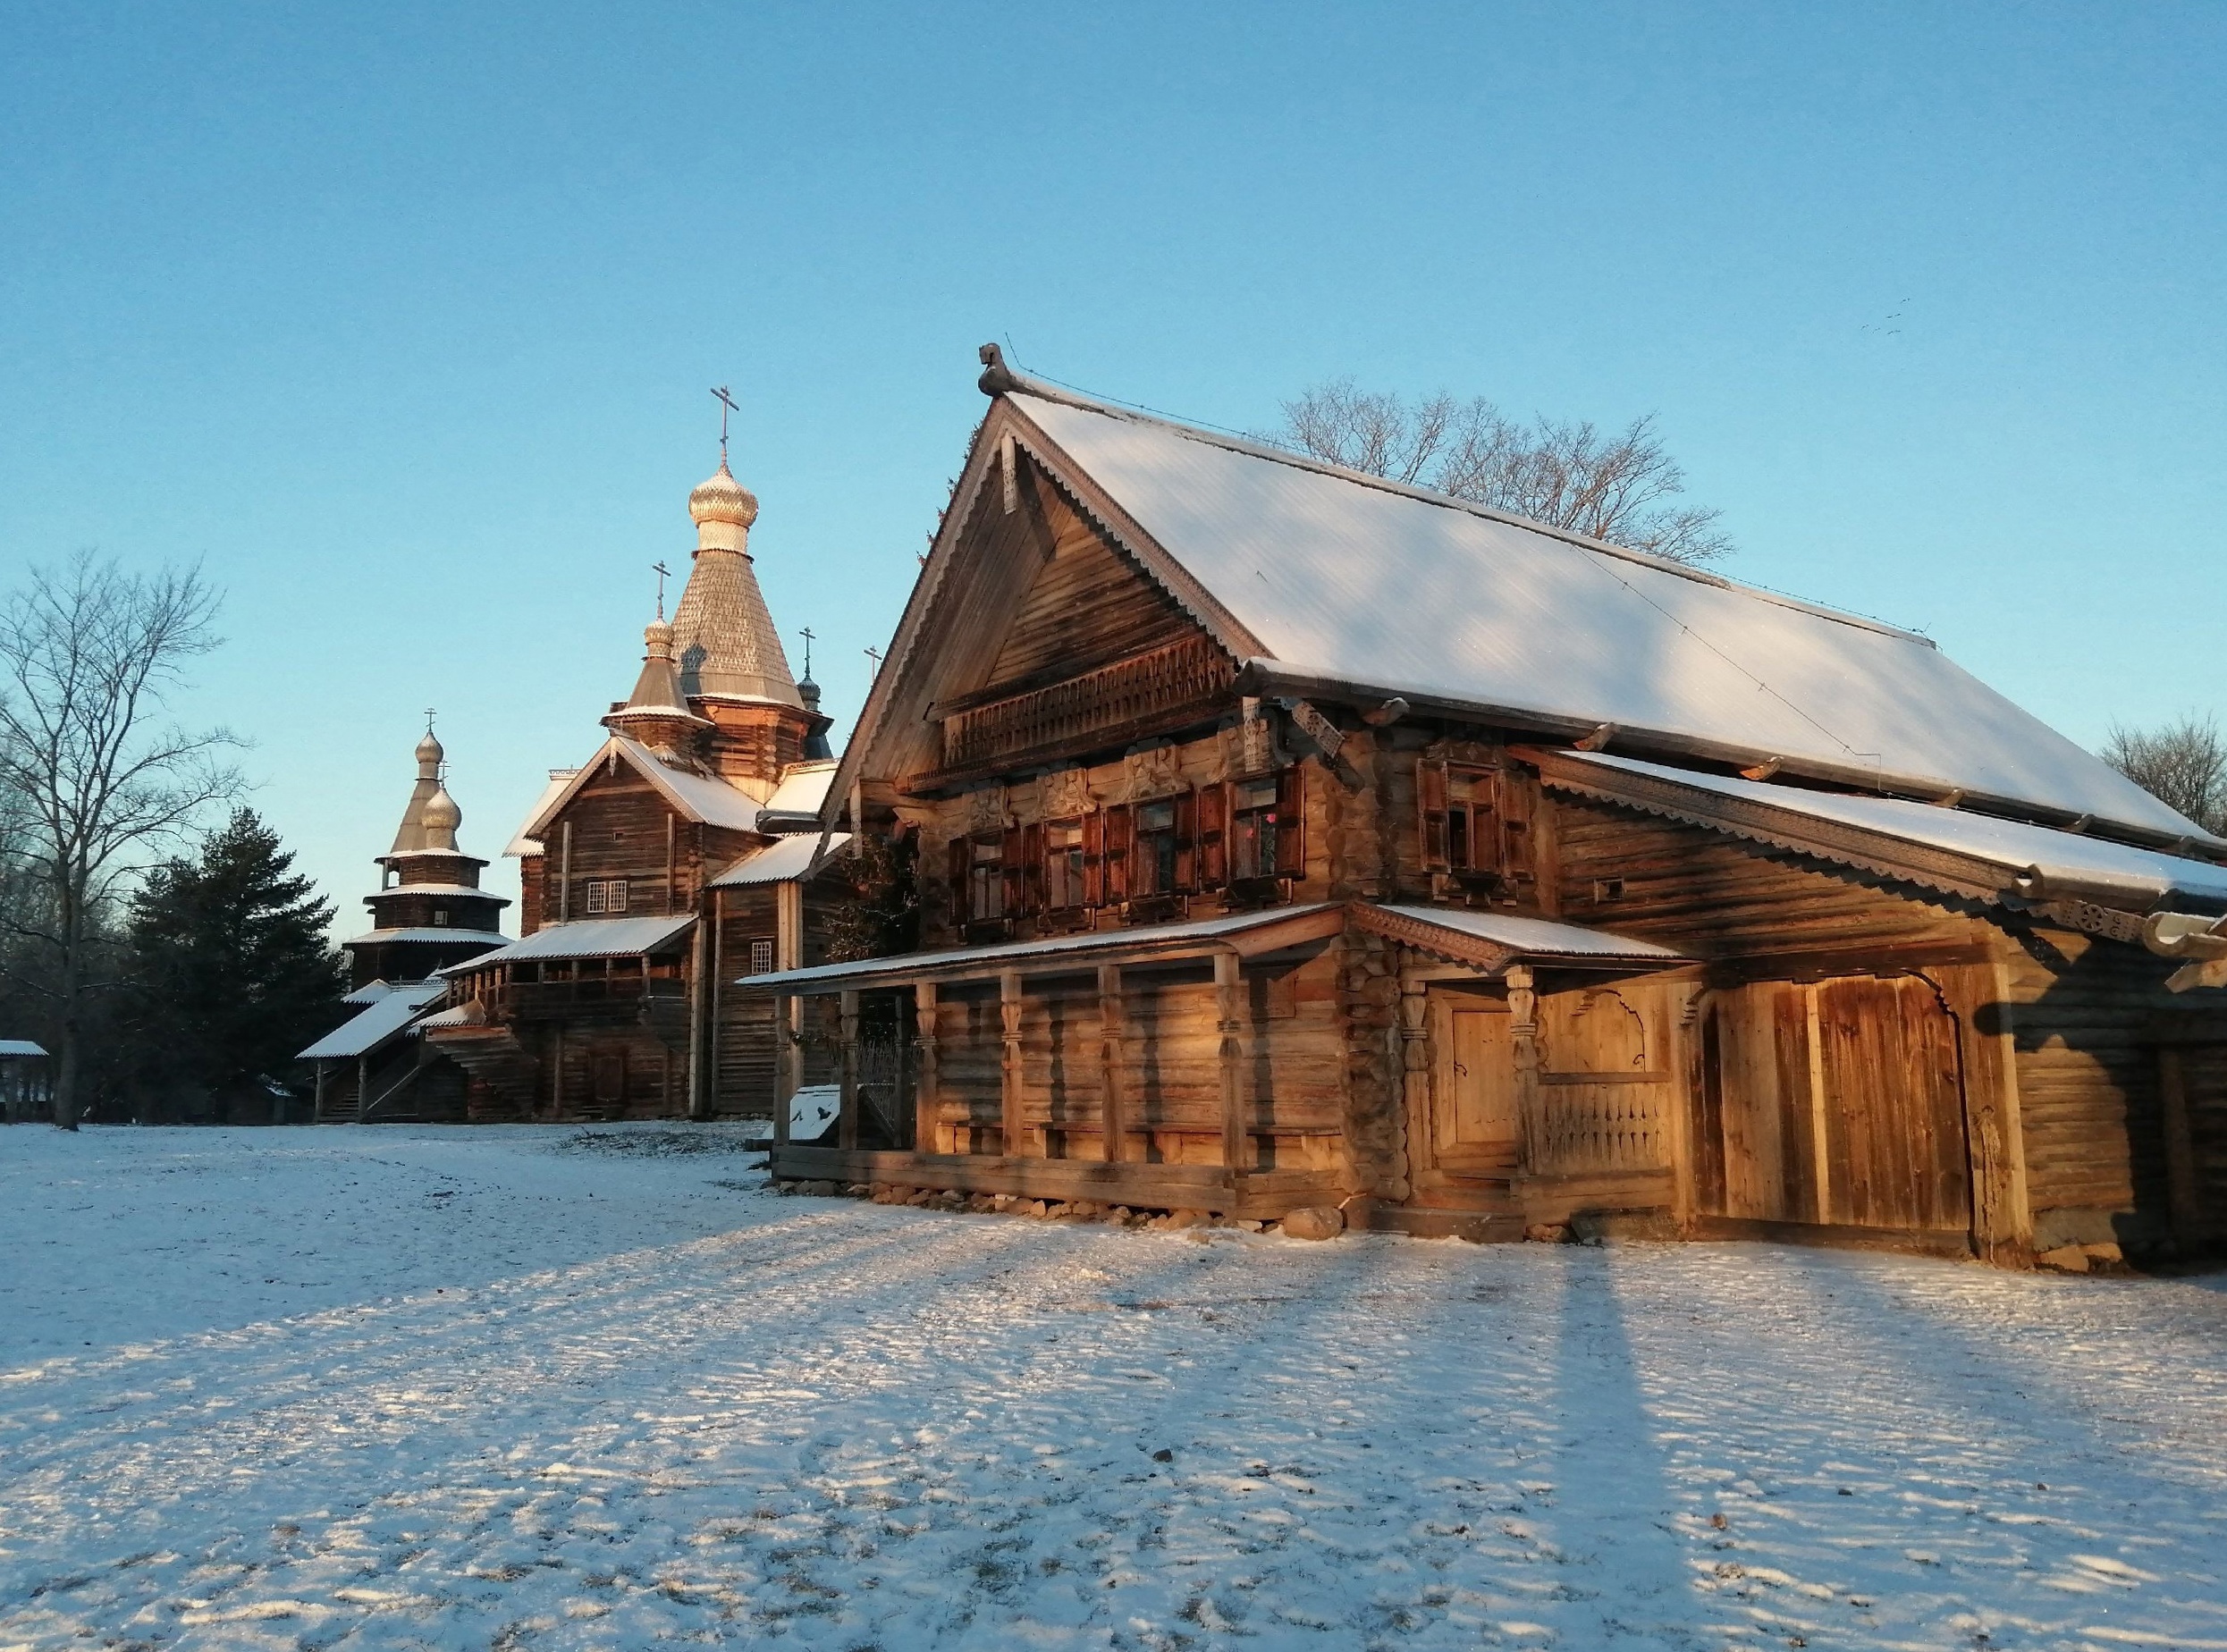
pixel 1129 691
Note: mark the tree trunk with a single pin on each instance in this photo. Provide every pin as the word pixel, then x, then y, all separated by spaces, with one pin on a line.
pixel 64 1094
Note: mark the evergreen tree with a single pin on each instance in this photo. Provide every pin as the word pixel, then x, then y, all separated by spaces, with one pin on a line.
pixel 234 972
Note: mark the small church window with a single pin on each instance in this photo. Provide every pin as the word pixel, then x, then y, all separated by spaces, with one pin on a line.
pixel 615 899
pixel 441 920
pixel 594 896
pixel 761 957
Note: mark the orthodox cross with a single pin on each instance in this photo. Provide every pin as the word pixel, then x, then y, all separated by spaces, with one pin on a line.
pixel 874 655
pixel 429 714
pixel 808 634
pixel 726 406
pixel 663 574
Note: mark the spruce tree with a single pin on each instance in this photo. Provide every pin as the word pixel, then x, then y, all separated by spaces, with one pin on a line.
pixel 234 972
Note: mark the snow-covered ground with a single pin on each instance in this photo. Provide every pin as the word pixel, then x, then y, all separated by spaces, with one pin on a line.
pixel 393 1386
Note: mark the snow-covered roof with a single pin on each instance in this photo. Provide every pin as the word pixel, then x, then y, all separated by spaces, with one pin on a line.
pixel 802 787
pixel 704 797
pixel 525 843
pixel 464 889
pixel 1941 848
pixel 20 1047
pixel 782 861
pixel 434 935
pixel 370 992
pixel 376 1024
pixel 1530 938
pixel 1484 939
pixel 1343 579
pixel 586 938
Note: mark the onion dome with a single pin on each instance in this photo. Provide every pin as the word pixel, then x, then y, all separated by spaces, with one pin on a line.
pixel 429 756
pixel 722 638
pixel 722 499
pixel 442 818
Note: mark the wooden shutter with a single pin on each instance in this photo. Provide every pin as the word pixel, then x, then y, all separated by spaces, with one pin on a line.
pixel 1213 835
pixel 1187 842
pixel 1094 858
pixel 1034 895
pixel 962 851
pixel 1291 811
pixel 1514 798
pixel 1013 869
pixel 1430 797
pixel 1116 853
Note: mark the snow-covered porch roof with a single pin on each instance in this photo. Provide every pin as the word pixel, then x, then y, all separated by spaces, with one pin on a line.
pixel 586 938
pixel 385 1019
pixel 1949 849
pixel 1485 940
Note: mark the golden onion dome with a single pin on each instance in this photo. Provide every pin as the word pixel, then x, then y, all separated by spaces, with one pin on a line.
pixel 722 499
pixel 442 814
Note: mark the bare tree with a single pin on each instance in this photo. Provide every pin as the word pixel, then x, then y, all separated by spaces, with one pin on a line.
pixel 94 774
pixel 1620 487
pixel 2182 764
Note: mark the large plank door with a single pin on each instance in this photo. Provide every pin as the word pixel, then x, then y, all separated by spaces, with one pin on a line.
pixel 1838 1102
pixel 1475 1128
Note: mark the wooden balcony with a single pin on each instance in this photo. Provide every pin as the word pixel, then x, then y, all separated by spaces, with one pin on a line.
pixel 615 997
pixel 1117 701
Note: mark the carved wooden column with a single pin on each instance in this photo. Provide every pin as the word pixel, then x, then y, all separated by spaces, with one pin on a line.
pixel 925 1100
pixel 1524 1034
pixel 785 1053
pixel 1236 1141
pixel 1113 1121
pixel 847 1116
pixel 1415 1072
pixel 1010 1072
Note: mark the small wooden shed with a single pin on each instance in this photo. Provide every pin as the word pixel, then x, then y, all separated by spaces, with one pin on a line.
pixel 26 1082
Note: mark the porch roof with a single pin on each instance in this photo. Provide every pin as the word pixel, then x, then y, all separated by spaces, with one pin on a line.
pixel 1488 941
pixel 384 1018
pixel 1937 845
pixel 586 938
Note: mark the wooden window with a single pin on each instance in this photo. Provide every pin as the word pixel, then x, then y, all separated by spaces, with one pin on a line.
pixel 761 956
pixel 985 879
pixel 441 920
pixel 1063 871
pixel 594 896
pixel 1155 862
pixel 1014 854
pixel 1475 822
pixel 1253 846
pixel 615 897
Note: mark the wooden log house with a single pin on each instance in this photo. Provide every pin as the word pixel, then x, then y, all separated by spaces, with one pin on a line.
pixel 656 874
pixel 1294 837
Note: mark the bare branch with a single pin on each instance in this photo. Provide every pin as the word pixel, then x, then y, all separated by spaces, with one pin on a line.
pixel 2182 764
pixel 1620 488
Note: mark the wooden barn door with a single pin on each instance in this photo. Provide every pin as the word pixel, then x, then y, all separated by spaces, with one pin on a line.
pixel 1838 1102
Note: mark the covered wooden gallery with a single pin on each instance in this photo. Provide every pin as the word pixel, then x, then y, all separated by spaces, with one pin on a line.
pixel 1293 837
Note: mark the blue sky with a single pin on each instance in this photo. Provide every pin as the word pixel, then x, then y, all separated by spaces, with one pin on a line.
pixel 402 320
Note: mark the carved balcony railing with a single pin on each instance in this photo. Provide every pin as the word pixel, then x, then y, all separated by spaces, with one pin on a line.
pixel 1114 696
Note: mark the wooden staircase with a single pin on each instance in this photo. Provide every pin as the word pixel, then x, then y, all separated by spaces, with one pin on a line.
pixel 492 1055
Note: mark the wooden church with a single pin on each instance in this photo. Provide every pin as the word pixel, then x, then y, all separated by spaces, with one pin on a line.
pixel 1291 839
pixel 429 913
pixel 657 872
